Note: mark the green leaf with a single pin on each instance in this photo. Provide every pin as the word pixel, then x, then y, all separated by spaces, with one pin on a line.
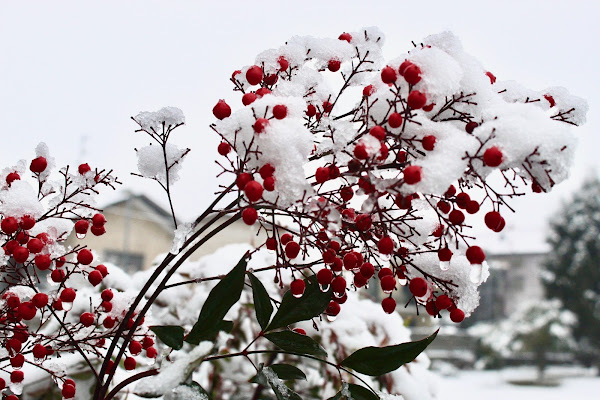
pixel 287 371
pixel 170 335
pixel 225 326
pixel 357 392
pixel 296 343
pixel 262 302
pixel 220 299
pixel 282 392
pixel 312 303
pixel 376 361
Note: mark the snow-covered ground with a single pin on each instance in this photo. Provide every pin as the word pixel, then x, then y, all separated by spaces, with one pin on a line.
pixel 492 385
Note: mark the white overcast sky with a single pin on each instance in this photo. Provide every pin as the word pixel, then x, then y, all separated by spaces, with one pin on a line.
pixel 73 72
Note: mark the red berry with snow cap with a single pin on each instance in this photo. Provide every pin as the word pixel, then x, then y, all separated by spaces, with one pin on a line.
pixel 493 157
pixel 429 142
pixel 84 169
pixel 260 125
pixel 416 100
pixel 13 176
pixel 345 36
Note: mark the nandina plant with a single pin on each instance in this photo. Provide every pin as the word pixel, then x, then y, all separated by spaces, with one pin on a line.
pixel 359 172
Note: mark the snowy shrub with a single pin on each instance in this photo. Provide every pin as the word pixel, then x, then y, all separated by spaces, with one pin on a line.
pixel 360 171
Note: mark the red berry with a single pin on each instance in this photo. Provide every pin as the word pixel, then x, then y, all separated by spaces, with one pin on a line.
pixel 367 270
pixel 363 222
pixel 368 90
pixel 346 193
pixel 109 322
pixel 68 391
pixel 445 254
pixel 102 269
pixel 334 65
pixel 333 309
pixel 388 283
pixel 43 261
pixel 472 207
pixel 549 98
pixel 249 215
pixel 98 219
pixel 58 275
pixel 470 127
pixel 224 148
pixel 443 206
pixel 286 238
pixel 151 352
pixel 324 276
pixel 20 254
pixel 345 36
pixel 243 179
pixel 395 120
pixel 129 363
pixel 135 347
pixel 418 287
pixel 431 308
pixel 221 110
pixel 68 295
pixel 271 243
pixel 403 67
pixel 39 351
pixel 27 310
pixel 351 261
pixel 429 142
pixel 85 257
pixel 106 295
pixel 360 151
pixel 412 174
pixel 17 376
pixel 450 192
pixel 443 302
pixel 462 200
pixel 475 255
pixel 253 191
pixel 269 184
pixel 493 157
pixel 283 63
pixel 95 277
pixel 27 222
pixel 35 246
pixel 338 285
pixel 106 306
pixel 456 217
pixel 457 315
pixel 84 169
pixel 81 226
pixel 38 165
pixel 322 174
pixel 389 305
pixel 87 319
pixel 494 221
pixel 311 110
pixel 412 74
pixel 270 79
pixel 292 249
pixel 40 300
pixel 13 176
pixel 492 77
pixel 388 75
pixel 260 124
pixel 263 92
pixel 254 75
pixel 248 98
pixel 416 100
pixel 297 286
pixel 280 111
pixel 385 245
pixel 98 230
pixel 266 171
pixel 9 225
pixel 428 107
pixel 378 132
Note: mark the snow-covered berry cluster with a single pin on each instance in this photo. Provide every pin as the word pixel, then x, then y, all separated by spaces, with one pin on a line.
pixel 52 298
pixel 364 170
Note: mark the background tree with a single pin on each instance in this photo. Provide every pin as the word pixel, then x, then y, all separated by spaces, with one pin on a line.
pixel 573 273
